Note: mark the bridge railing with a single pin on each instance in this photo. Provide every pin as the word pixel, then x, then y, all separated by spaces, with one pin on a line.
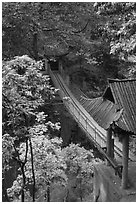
pixel 85 121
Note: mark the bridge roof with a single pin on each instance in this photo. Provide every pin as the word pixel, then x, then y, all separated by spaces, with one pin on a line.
pixel 118 104
pixel 123 93
pixel 103 111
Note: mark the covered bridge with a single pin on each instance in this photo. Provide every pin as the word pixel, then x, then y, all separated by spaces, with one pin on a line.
pixel 115 111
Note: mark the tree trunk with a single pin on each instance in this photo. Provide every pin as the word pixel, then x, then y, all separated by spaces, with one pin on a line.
pixel 5 197
pixel 33 174
pixel 81 193
pixel 35 47
pixel 48 192
pixel 22 165
pixel 24 181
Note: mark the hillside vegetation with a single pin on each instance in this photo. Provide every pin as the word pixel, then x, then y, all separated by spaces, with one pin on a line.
pixel 94 41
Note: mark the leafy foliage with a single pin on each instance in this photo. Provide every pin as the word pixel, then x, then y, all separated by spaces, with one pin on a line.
pixel 49 167
pixel 25 19
pixel 101 35
pixel 80 168
pixel 54 165
pixel 7 149
pixel 95 40
pixel 119 31
pixel 24 90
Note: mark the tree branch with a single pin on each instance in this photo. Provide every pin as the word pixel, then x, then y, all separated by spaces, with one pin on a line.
pixel 44 28
pixel 62 55
pixel 33 173
pixel 79 31
pixel 22 165
pixel 6 98
pixel 18 160
pixel 50 29
pixel 25 160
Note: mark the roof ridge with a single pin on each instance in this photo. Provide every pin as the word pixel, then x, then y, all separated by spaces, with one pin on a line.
pixel 119 80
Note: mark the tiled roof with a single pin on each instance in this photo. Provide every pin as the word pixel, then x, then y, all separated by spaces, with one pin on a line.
pixel 124 95
pixel 118 104
pixel 103 111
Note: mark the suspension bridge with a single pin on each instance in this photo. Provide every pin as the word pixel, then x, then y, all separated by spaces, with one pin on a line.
pixel 96 134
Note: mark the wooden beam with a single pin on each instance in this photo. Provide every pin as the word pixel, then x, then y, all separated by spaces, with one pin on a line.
pixel 109 142
pixel 125 145
pixel 112 148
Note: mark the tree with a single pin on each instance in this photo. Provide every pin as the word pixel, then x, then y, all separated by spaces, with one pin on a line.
pixel 119 31
pixel 80 168
pixel 54 165
pixel 51 165
pixel 25 89
pixel 102 34
pixel 49 168
pixel 59 28
pixel 18 29
pixel 98 36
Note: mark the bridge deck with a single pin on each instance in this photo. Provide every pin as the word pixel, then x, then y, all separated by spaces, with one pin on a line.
pixel 94 132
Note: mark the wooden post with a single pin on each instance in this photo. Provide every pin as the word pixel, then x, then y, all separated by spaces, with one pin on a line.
pixel 35 45
pixel 109 143
pixel 112 148
pixel 125 144
pixel 66 127
pixel 60 67
pixel 46 65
